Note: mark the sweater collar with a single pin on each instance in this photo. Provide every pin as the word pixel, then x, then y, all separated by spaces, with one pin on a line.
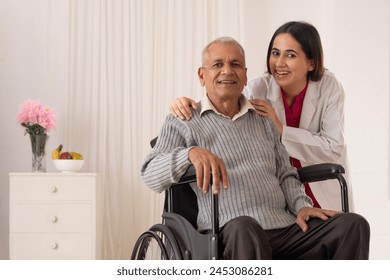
pixel 245 106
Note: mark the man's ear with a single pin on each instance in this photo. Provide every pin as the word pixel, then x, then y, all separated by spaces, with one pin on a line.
pixel 200 76
pixel 246 76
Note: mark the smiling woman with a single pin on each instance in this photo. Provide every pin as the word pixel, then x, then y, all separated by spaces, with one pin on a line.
pixel 305 102
pixel 289 65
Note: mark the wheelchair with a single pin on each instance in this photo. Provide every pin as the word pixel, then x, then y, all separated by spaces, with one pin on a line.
pixel 176 238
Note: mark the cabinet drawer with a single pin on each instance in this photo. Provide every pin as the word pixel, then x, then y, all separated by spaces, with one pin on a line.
pixel 51 188
pixel 57 246
pixel 27 217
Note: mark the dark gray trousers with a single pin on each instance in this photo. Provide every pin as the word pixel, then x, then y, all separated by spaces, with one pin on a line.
pixel 343 237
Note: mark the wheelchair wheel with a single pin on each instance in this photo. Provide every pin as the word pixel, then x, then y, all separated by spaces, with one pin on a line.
pixel 158 243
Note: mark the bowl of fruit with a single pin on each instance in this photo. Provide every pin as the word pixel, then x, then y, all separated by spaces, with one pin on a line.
pixel 67 161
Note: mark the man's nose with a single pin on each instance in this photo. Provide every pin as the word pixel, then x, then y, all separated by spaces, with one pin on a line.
pixel 227 69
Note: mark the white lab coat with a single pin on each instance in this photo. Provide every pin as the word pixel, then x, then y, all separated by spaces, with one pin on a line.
pixel 320 136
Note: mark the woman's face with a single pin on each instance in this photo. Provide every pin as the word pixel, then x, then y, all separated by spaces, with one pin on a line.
pixel 289 64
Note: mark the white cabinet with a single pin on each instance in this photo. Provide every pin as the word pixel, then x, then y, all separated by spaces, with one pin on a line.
pixel 55 216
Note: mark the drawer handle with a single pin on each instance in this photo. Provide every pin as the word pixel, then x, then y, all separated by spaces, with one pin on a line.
pixel 53 219
pixel 53 245
pixel 53 189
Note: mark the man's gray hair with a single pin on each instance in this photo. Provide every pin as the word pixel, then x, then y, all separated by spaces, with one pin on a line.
pixel 222 40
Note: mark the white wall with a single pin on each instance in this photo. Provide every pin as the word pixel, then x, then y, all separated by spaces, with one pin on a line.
pixel 32 65
pixel 361 59
pixel 355 34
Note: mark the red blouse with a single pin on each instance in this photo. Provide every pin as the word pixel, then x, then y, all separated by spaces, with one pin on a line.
pixel 293 117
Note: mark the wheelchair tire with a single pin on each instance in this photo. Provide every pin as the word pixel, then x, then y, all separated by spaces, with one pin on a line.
pixel 158 243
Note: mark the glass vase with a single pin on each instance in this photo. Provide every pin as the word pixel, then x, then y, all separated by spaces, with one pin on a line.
pixel 38 147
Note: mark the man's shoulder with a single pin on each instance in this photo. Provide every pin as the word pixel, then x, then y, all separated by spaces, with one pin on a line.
pixel 265 124
pixel 252 116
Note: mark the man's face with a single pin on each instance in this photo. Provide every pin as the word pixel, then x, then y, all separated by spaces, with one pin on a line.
pixel 224 71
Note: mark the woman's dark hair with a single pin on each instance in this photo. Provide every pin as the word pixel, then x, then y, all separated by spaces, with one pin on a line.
pixel 309 39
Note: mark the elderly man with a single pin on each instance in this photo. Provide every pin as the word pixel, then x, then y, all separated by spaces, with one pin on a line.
pixel 264 211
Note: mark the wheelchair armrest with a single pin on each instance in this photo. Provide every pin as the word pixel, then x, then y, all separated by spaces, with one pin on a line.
pixel 188 177
pixel 320 172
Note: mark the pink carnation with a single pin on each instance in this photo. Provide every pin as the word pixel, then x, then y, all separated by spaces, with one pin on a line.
pixel 33 114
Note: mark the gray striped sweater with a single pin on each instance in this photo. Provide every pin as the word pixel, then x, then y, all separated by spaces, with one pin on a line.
pixel 262 183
